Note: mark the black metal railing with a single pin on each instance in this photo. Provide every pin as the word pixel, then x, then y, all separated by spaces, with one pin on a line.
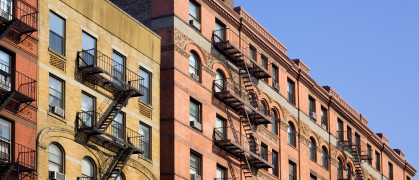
pixel 10 79
pixel 356 145
pixel 12 152
pixel 116 72
pixel 88 121
pixel 22 11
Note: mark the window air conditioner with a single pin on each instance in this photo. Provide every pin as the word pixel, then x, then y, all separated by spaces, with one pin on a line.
pixel 58 111
pixel 313 115
pixel 196 124
pixel 195 177
pixel 54 175
pixel 195 23
pixel 195 76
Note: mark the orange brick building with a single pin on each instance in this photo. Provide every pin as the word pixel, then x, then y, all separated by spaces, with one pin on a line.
pixel 235 106
pixel 18 88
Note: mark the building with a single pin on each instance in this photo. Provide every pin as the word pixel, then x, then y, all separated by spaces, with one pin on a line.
pixel 18 88
pixel 99 93
pixel 235 106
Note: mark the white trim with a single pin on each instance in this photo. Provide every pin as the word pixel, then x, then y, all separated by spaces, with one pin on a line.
pixel 116 48
pixel 55 10
pixel 149 69
pixel 90 32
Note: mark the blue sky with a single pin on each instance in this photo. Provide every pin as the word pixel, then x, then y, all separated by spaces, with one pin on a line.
pixel 367 50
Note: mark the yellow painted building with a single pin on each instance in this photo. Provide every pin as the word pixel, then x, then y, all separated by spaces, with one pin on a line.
pixel 99 93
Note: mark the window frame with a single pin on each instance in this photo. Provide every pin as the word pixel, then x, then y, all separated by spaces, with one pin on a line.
pixel 377 161
pixel 94 105
pixel 275 72
pixel 252 52
pixel 222 32
pixel 7 141
pixel 323 117
pixel 291 91
pixel 275 169
pixel 87 158
pixel 198 7
pixel 62 166
pixel 64 33
pixel 149 89
pixel 124 119
pixel 149 156
pixel 325 158
pixel 223 170
pixel 197 70
pixel 199 164
pixel 311 105
pixel 293 174
pixel 390 171
pixel 62 101
pixel 292 134
pixel 312 149
pixel 274 118
pixel 340 130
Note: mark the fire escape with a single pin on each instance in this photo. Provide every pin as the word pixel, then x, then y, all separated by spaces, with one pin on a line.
pixel 18 15
pixel 242 98
pixel 357 149
pixel 95 68
pixel 17 161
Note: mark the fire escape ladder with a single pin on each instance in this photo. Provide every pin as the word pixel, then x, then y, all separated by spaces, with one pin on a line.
pixel 118 163
pixel 114 109
pixel 354 149
pixel 247 169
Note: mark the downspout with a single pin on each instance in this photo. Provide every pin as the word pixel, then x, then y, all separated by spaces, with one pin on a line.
pixel 381 162
pixel 329 162
pixel 298 118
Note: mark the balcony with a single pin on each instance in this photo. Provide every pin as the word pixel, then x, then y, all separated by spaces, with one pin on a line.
pixel 18 158
pixel 231 94
pixel 235 47
pixel 118 135
pixel 237 144
pixel 98 69
pixel 18 15
pixel 16 86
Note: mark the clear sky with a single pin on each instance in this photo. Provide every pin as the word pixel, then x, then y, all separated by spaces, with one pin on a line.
pixel 367 50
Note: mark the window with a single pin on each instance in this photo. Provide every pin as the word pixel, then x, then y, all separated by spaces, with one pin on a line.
pixel 325 157
pixel 275 170
pixel 264 64
pixel 292 171
pixel 195 164
pixel 6 7
pixel 274 126
pixel 340 130
pixel 220 128
pixel 349 171
pixel 194 14
pixel 349 134
pixel 275 77
pixel 146 86
pixel 195 113
pixel 390 171
pixel 340 169
pixel 145 132
pixel 220 30
pixel 194 64
pixel 291 134
pixel 312 147
pixel 407 178
pixel 311 105
pixel 88 109
pixel 358 142
pixel 264 110
pixel 313 177
pixel 5 65
pixel 5 141
pixel 56 158
pixel 118 126
pixel 291 92
pixel 369 155
pixel 219 81
pixel 56 33
pixel 377 160
pixel 118 67
pixel 264 152
pixel 252 52
pixel 221 173
pixel 89 48
pixel 88 169
pixel 56 93
pixel 324 118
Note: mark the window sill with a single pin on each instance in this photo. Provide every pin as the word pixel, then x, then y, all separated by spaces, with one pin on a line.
pixel 57 54
pixel 57 117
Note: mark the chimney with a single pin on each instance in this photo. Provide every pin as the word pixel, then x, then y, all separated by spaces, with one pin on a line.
pixel 400 152
pixel 300 64
pixel 383 138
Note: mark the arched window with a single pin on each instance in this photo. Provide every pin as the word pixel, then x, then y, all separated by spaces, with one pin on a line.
pixel 56 158
pixel 194 63
pixel 88 168
pixel 324 157
pixel 274 121
pixel 349 172
pixel 291 134
pixel 312 146
pixel 340 169
pixel 264 108
pixel 219 81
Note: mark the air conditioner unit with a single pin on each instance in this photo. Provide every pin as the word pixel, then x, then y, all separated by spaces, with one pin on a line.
pixel 313 115
pixel 196 124
pixel 54 175
pixel 5 85
pixel 58 111
pixel 195 177
pixel 5 15
pixel 195 76
pixel 276 86
pixel 195 23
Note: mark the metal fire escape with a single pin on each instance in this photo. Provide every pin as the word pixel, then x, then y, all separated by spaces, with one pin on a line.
pixel 17 161
pixel 18 15
pixel 357 149
pixel 242 98
pixel 95 68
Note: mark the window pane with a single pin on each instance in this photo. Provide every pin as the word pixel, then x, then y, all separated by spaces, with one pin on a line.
pixel 88 42
pixel 194 112
pixel 87 168
pixel 5 62
pixel 56 24
pixel 194 10
pixel 5 130
pixel 145 132
pixel 220 173
pixel 195 164
pixel 146 86
pixel 55 158
pixel 118 126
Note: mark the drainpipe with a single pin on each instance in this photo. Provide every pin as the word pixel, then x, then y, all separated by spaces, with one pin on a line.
pixel 381 162
pixel 329 163
pixel 298 117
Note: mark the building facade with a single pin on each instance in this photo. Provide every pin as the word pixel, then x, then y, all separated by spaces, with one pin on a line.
pixel 99 93
pixel 235 106
pixel 18 88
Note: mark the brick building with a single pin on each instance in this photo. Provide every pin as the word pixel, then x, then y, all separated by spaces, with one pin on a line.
pixel 18 88
pixel 99 84
pixel 235 106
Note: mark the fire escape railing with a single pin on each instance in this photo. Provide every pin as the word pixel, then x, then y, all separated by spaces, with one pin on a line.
pixel 18 158
pixel 18 15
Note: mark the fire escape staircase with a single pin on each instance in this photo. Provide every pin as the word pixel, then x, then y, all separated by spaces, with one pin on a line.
pixel 95 68
pixel 358 154
pixel 19 16
pixel 24 166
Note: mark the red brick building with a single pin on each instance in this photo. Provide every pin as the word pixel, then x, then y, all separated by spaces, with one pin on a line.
pixel 234 105
pixel 18 88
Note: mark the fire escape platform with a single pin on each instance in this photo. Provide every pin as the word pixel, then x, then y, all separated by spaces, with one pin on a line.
pixel 22 18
